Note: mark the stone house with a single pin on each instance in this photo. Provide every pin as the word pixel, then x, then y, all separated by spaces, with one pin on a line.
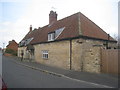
pixel 73 42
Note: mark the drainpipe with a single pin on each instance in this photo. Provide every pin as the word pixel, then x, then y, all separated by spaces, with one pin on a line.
pixel 82 50
pixel 108 40
pixel 70 54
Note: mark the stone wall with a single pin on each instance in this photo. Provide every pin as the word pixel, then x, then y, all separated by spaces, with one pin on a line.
pixel 76 55
pixel 58 54
pixel 92 59
pixel 85 54
pixel 112 45
pixel 20 49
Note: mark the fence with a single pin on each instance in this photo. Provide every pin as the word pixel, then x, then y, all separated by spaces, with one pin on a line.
pixel 109 61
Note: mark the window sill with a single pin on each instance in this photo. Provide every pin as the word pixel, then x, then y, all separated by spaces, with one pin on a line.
pixel 45 58
pixel 50 40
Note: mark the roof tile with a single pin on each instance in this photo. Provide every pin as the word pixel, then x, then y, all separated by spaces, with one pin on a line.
pixel 71 30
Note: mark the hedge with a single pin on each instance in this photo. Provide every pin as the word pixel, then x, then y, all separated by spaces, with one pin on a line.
pixel 11 51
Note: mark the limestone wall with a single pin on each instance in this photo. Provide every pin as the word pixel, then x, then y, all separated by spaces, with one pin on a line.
pixel 112 45
pixel 58 54
pixel 91 55
pixel 20 49
pixel 85 54
pixel 76 55
pixel 18 52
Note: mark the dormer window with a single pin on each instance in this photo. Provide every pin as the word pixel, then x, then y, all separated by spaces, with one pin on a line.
pixel 55 34
pixel 51 36
pixel 25 42
pixel 58 32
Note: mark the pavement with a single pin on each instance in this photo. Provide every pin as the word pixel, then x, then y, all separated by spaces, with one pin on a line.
pixel 106 80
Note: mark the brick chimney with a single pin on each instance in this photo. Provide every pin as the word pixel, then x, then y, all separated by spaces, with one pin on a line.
pixel 52 17
pixel 30 28
pixel 10 42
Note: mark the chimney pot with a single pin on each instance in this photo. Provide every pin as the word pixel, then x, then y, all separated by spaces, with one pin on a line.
pixel 30 28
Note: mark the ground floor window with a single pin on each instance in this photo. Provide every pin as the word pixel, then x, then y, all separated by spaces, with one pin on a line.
pixel 45 54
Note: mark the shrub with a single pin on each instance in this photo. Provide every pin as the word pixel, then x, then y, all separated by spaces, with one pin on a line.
pixel 10 51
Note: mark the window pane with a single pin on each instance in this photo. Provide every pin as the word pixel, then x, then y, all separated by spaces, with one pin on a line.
pixel 48 36
pixel 43 56
pixel 51 36
pixel 46 55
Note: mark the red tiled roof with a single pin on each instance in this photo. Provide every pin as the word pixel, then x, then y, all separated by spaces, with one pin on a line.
pixel 12 45
pixel 71 24
pixel 90 29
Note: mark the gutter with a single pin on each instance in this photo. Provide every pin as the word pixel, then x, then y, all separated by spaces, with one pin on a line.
pixel 71 38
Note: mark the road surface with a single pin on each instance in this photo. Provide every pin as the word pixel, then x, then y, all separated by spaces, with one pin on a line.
pixel 18 76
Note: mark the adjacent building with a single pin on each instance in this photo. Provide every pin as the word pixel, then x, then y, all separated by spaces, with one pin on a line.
pixel 74 42
pixel 12 45
pixel 11 48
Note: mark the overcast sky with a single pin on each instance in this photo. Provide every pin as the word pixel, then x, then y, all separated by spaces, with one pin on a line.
pixel 16 16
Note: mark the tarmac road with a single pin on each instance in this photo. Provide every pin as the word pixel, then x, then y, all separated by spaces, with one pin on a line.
pixel 18 76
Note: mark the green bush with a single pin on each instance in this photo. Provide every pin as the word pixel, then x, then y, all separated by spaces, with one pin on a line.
pixel 10 51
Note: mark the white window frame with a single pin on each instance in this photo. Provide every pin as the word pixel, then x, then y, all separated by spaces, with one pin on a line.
pixel 54 35
pixel 51 36
pixel 45 54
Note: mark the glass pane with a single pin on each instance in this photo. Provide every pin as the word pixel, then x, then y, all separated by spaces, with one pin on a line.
pixel 46 55
pixel 43 55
